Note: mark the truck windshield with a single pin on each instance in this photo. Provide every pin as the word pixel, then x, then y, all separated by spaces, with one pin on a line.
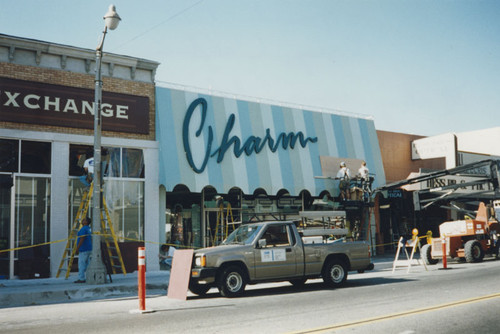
pixel 245 234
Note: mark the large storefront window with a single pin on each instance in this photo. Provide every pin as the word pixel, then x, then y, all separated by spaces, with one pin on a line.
pixel 116 161
pixel 123 172
pixel 32 212
pixel 202 220
pixel 132 163
pixel 183 226
pixel 35 157
pixel 9 155
pixel 125 202
pixel 123 162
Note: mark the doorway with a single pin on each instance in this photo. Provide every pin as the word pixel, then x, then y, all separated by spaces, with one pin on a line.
pixel 25 222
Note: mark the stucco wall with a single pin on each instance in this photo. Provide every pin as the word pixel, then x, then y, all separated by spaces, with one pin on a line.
pixel 395 149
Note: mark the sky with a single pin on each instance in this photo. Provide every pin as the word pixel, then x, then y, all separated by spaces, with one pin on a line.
pixel 424 67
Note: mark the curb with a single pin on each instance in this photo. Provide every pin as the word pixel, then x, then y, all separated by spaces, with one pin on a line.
pixel 15 293
pixel 24 297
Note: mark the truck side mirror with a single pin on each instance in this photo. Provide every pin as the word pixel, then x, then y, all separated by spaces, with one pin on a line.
pixel 262 243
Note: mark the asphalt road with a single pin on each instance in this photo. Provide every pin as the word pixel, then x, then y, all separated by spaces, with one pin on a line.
pixel 464 299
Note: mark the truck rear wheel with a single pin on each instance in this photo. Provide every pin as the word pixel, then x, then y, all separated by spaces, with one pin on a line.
pixel 335 273
pixel 232 282
pixel 473 251
pixel 426 255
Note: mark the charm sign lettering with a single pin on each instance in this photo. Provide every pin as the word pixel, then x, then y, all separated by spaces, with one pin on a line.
pixel 250 145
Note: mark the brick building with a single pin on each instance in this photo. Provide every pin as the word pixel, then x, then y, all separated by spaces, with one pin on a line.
pixel 46 132
pixel 395 212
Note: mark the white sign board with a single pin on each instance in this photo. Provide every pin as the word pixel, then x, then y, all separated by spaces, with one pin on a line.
pixel 443 146
pixel 449 180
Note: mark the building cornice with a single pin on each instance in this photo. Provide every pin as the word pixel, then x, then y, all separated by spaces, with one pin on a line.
pixel 30 52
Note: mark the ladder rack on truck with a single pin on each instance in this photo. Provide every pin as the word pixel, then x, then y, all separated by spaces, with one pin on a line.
pixel 322 226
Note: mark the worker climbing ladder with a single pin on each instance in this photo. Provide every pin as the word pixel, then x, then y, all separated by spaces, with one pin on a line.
pixel 114 260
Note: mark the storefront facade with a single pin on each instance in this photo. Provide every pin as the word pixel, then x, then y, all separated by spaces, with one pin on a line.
pixel 397 215
pixel 423 205
pixel 46 132
pixel 225 160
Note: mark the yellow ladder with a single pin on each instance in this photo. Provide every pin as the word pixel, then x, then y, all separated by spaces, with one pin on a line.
pixel 222 225
pixel 107 231
pixel 229 213
pixel 70 249
pixel 111 242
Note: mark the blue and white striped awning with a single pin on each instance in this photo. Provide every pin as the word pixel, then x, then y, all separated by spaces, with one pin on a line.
pixel 228 143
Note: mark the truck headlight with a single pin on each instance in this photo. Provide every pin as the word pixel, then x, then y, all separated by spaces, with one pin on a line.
pixel 200 261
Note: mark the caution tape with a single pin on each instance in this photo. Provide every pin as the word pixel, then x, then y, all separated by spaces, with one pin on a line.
pixel 387 244
pixel 96 233
pixel 395 242
pixel 148 242
pixel 32 246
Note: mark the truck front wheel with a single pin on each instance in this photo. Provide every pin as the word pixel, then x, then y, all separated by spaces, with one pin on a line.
pixel 335 273
pixel 473 251
pixel 232 282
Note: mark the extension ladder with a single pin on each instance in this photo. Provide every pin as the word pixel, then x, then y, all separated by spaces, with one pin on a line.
pixel 222 224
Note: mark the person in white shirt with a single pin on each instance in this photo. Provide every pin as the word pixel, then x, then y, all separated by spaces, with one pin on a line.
pixel 344 175
pixel 364 174
pixel 88 166
pixel 363 171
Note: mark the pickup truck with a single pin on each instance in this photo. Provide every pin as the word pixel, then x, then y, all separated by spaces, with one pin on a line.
pixel 275 251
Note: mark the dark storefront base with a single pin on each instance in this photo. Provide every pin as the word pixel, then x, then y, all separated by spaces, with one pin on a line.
pixel 185 214
pixel 129 251
pixel 34 262
pixel 129 254
pixel 398 218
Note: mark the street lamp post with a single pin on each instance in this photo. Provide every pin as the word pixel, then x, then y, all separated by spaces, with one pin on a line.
pixel 96 272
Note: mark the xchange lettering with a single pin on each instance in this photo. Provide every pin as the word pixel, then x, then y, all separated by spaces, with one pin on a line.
pixel 250 145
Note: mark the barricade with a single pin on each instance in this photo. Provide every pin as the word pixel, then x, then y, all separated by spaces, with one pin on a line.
pixel 414 243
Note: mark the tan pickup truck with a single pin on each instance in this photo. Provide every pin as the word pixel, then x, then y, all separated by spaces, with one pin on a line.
pixel 275 251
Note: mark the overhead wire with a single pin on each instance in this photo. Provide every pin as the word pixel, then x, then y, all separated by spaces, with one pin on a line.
pixel 159 24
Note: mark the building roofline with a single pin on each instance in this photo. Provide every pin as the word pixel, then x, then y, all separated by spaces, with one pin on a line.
pixel 77 52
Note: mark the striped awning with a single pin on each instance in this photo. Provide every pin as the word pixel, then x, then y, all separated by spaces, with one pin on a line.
pixel 228 143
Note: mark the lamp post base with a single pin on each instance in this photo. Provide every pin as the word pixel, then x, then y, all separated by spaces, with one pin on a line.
pixel 96 273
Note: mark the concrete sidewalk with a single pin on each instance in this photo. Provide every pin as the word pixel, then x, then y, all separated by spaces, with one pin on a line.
pixel 18 292
pixel 59 290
